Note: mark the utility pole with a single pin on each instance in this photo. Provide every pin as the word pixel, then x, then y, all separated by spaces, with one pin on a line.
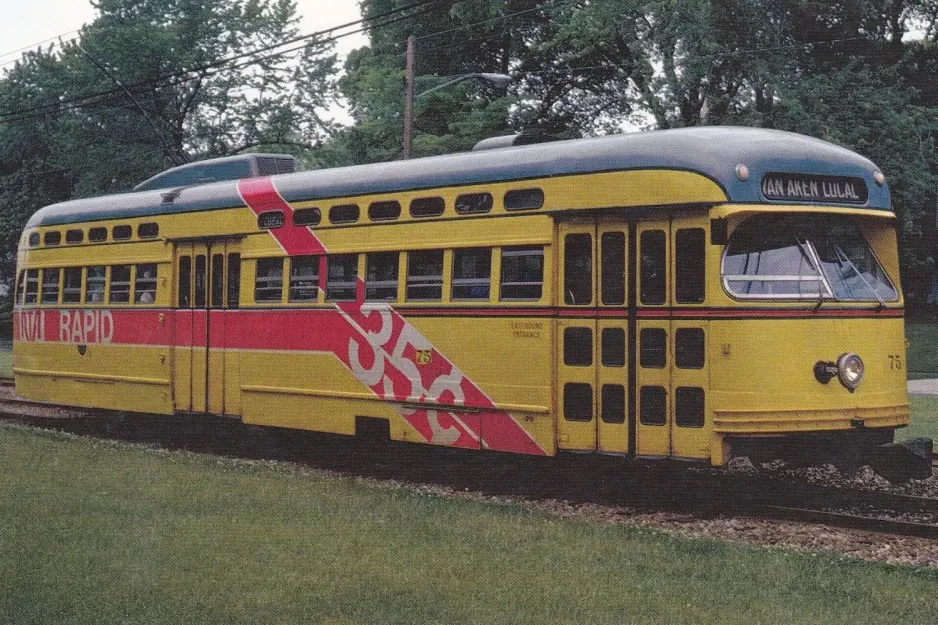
pixel 409 99
pixel 499 81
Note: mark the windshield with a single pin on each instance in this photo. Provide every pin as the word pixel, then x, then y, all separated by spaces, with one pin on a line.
pixel 814 257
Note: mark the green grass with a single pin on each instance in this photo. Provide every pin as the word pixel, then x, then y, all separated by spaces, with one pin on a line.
pixel 95 532
pixel 923 349
pixel 923 420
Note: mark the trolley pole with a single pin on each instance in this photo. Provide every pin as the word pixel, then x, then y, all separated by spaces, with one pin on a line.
pixel 409 100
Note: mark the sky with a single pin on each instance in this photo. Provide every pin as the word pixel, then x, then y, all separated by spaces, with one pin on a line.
pixel 26 24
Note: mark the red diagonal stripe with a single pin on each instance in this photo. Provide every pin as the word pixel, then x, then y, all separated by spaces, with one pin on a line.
pixel 503 432
pixel 261 195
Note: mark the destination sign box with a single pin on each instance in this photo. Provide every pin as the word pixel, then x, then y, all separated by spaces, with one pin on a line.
pixel 814 189
pixel 270 220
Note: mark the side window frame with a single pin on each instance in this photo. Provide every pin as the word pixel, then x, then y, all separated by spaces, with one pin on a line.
pixel 271 282
pixel 475 283
pixel 96 275
pixel 425 282
pixel 145 283
pixel 304 287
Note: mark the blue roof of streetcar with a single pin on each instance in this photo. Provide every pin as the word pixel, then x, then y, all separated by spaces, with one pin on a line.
pixel 712 151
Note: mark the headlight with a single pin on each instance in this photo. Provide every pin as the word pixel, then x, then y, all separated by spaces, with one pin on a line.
pixel 850 370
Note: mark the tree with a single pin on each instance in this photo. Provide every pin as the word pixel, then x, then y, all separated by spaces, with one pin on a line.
pixel 453 38
pixel 154 83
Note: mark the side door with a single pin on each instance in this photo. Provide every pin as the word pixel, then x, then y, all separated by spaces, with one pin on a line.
pixel 190 327
pixel 693 269
pixel 672 374
pixel 207 285
pixel 592 335
pixel 653 330
pixel 222 394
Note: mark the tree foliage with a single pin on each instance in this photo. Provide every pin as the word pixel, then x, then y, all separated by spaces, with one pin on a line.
pixel 151 83
pixel 854 72
pixel 154 83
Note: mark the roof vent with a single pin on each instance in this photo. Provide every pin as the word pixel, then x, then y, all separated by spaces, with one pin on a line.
pixel 508 141
pixel 217 169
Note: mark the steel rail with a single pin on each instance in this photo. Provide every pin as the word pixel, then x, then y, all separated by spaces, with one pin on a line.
pixel 668 488
pixel 854 521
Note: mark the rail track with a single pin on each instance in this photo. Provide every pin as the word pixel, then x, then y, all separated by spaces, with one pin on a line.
pixel 586 479
pixel 869 510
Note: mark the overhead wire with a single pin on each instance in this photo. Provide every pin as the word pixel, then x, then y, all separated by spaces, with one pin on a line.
pixel 33 46
pixel 376 21
pixel 365 24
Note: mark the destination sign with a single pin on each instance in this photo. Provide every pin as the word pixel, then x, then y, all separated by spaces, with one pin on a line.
pixel 269 220
pixel 811 188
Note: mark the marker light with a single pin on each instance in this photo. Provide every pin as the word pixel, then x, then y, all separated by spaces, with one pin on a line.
pixel 850 370
pixel 879 178
pixel 742 172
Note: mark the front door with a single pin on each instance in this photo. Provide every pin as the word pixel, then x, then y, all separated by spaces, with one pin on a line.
pixel 592 335
pixel 206 289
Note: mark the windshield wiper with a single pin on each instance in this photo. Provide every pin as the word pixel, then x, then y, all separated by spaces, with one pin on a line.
pixel 811 256
pixel 846 259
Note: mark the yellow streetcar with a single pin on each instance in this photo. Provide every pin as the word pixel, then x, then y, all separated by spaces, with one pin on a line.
pixel 662 294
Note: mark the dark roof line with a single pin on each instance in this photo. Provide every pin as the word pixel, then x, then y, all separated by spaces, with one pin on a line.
pixel 712 151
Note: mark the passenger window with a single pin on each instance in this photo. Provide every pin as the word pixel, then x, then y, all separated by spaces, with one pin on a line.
pixel 122 233
pixel 524 199
pixel 201 279
pixel 653 266
pixel 612 255
pixel 384 211
pixel 218 280
pixel 689 348
pixel 32 286
pixel 71 288
pixel 577 401
pixel 425 275
pixel 690 269
pixel 20 284
pixel 94 284
pixel 185 281
pixel 578 269
pixel 50 286
pixel 34 239
pixel 381 276
pixel 342 278
pixel 473 203
pixel 613 347
pixel 74 236
pixel 307 217
pixel 653 353
pixel 653 407
pixel 268 284
pixel 689 407
pixel 613 403
pixel 343 213
pixel 304 279
pixel 97 235
pixel 234 280
pixel 427 207
pixel 578 347
pixel 145 284
pixel 522 273
pixel 52 238
pixel 148 230
pixel 120 284
pixel 472 273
